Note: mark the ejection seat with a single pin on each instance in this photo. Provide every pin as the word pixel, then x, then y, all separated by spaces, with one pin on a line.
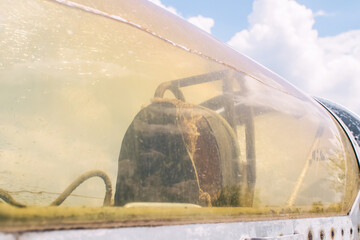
pixel 178 152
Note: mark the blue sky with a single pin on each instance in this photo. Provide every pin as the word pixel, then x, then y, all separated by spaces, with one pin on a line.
pixel 314 44
pixel 231 15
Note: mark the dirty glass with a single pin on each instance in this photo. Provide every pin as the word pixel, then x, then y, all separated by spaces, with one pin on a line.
pixel 169 26
pixel 103 121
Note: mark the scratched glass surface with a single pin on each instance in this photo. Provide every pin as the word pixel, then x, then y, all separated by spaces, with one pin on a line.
pixel 84 92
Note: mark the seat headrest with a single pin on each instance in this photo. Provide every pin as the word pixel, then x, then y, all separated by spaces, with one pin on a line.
pixel 175 151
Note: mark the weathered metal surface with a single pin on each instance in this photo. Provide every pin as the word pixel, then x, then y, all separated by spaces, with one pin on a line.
pixel 4 236
pixel 326 228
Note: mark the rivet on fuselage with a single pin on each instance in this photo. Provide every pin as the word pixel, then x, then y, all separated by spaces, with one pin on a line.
pixel 332 233
pixel 322 235
pixel 310 235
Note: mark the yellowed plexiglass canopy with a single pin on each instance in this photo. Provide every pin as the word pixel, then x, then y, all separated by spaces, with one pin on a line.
pixel 167 116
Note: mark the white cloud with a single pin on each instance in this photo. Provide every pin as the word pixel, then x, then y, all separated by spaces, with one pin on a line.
pixel 168 8
pixel 322 13
pixel 204 23
pixel 281 36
